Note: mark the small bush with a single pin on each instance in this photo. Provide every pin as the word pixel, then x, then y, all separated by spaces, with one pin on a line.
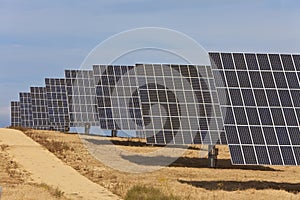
pixel 147 193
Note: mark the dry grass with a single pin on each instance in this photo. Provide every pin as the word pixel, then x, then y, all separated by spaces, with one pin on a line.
pixel 142 192
pixel 30 192
pixel 16 183
pixel 187 178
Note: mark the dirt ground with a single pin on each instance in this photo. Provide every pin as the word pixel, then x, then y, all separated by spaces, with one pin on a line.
pixel 16 183
pixel 46 169
pixel 188 177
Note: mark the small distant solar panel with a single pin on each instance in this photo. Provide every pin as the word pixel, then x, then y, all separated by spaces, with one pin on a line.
pixel 26 110
pixel 15 113
pixel 261 106
pixel 40 113
pixel 57 104
pixel 82 98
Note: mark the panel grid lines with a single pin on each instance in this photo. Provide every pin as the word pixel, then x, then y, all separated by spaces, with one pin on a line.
pixel 244 107
pixel 268 107
pixel 290 141
pixel 15 114
pixel 57 103
pixel 263 95
pixel 234 117
pixel 170 102
pixel 26 110
pixel 81 98
pixel 40 113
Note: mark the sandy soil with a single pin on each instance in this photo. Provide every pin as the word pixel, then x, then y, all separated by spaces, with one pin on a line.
pixel 188 177
pixel 16 183
pixel 44 167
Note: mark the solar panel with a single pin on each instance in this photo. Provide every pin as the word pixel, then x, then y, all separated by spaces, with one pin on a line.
pixel 40 113
pixel 82 98
pixel 26 110
pixel 117 97
pixel 261 106
pixel 175 104
pixel 57 104
pixel 15 113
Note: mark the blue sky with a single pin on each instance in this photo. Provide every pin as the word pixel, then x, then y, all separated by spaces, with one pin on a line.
pixel 41 38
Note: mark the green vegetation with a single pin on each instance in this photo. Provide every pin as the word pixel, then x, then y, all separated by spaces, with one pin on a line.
pixel 138 192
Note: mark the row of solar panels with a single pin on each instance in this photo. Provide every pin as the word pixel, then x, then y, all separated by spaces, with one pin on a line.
pixel 248 101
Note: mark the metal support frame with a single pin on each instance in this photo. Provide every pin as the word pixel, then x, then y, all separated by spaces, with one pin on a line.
pixel 114 133
pixel 212 155
pixel 87 127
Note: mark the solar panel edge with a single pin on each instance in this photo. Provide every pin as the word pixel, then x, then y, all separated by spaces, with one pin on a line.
pixel 280 149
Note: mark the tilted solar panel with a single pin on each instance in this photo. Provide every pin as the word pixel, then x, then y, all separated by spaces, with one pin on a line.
pixel 26 110
pixel 117 97
pixel 175 104
pixel 57 104
pixel 40 113
pixel 82 98
pixel 261 106
pixel 15 113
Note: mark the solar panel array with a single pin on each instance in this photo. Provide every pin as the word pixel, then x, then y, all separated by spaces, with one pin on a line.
pixel 248 101
pixel 15 113
pixel 81 98
pixel 171 103
pixel 25 110
pixel 57 104
pixel 261 106
pixel 39 104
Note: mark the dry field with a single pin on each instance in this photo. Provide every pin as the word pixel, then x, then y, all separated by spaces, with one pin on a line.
pixel 187 178
pixel 16 183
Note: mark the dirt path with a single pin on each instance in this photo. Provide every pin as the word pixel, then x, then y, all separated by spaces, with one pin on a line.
pixel 47 168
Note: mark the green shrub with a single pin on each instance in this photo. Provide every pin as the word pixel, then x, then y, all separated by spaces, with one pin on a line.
pixel 147 193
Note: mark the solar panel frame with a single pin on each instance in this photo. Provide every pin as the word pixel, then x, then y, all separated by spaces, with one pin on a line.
pixel 57 102
pixel 26 110
pixel 40 114
pixel 174 80
pixel 117 98
pixel 82 100
pixel 15 113
pixel 151 85
pixel 274 105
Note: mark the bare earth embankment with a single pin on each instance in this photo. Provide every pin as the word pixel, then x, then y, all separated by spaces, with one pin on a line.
pixel 46 168
pixel 187 178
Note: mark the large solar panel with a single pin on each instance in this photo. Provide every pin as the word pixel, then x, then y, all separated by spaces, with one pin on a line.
pixel 57 104
pixel 26 110
pixel 175 104
pixel 15 113
pixel 40 113
pixel 261 106
pixel 81 98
